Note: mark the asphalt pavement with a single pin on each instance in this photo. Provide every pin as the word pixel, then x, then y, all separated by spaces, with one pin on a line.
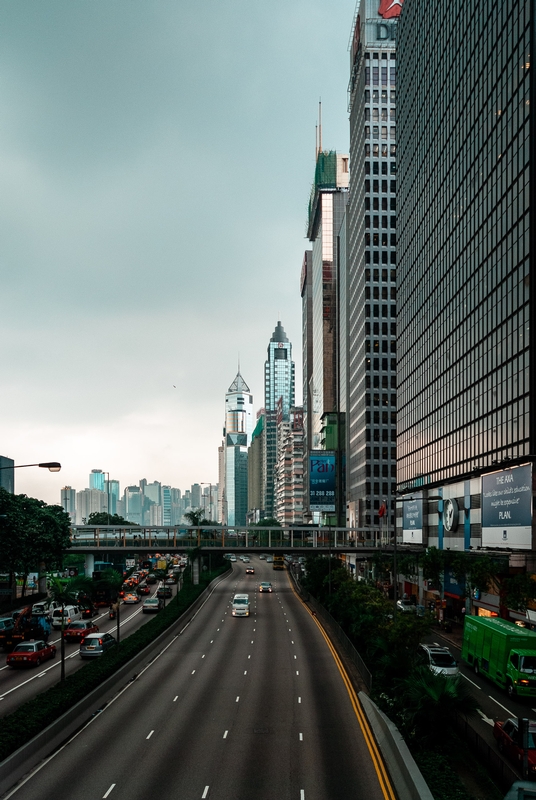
pixel 232 709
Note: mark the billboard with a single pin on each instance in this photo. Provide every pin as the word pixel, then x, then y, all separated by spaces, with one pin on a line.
pixel 507 508
pixel 322 480
pixel 412 520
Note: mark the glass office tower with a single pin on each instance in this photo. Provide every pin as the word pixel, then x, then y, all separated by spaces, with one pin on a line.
pixel 237 433
pixel 278 385
pixel 466 336
pixel 370 245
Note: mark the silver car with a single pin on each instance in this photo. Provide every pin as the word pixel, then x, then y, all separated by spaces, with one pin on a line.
pixel 95 644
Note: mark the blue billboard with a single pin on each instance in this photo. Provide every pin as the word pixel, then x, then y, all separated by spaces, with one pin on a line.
pixel 507 508
pixel 322 486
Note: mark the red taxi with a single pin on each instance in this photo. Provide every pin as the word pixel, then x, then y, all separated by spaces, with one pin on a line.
pixel 30 654
pixel 75 631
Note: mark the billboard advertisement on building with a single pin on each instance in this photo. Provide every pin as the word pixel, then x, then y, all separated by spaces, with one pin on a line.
pixel 322 480
pixel 412 520
pixel 507 508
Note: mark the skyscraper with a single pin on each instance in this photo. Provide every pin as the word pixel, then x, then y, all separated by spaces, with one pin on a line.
pixel 237 436
pixel 7 474
pixel 279 386
pixel 467 255
pixel 96 479
pixel 68 502
pixel 371 265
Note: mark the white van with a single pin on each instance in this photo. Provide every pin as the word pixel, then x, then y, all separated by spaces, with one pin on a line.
pixel 70 614
pixel 240 607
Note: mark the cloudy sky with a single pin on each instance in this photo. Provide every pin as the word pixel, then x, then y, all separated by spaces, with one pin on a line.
pixel 156 159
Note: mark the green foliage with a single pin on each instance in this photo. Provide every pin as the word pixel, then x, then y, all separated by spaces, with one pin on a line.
pixel 408 565
pixel 103 518
pixel 266 523
pixel 32 717
pixel 433 565
pixel 31 532
pixel 383 564
pixel 520 591
pixel 440 776
pixel 196 517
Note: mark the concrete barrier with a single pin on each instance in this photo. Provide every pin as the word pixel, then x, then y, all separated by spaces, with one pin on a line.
pixel 23 760
pixel 405 774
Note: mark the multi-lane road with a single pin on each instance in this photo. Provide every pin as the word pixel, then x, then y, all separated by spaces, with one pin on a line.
pixel 251 708
pixel 17 686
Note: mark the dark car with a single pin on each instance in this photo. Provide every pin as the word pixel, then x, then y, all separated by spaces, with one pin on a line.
pixel 88 611
pixel 151 605
pixel 76 631
pixel 30 654
pixel 164 591
pixel 143 589
pixel 509 742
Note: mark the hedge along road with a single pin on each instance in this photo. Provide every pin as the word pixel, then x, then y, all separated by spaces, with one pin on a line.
pixel 233 709
pixel 20 685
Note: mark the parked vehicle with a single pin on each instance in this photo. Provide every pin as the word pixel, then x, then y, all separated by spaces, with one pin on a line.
pixel 439 660
pixel 240 605
pixel 503 652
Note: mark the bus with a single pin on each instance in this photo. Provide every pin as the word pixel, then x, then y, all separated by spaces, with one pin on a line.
pixel 278 563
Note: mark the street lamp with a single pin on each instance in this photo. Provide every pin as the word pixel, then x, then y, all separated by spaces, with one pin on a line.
pixel 52 466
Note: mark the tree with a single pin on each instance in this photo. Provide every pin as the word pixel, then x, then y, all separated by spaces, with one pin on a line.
pixel 103 518
pixel 267 523
pixel 65 593
pixel 113 580
pixel 195 517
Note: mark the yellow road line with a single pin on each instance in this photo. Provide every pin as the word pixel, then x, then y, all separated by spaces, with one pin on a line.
pixel 375 755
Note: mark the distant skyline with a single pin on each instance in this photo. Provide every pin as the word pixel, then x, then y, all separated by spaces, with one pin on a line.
pixel 156 161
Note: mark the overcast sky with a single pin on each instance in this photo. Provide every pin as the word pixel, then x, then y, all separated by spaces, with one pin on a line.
pixel 156 159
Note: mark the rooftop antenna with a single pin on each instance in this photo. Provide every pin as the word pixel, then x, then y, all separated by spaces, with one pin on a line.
pixel 320 125
pixel 316 141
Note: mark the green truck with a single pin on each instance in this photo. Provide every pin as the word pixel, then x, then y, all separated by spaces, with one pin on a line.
pixel 503 652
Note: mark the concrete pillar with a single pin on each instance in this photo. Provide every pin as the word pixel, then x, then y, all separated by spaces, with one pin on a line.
pixel 89 566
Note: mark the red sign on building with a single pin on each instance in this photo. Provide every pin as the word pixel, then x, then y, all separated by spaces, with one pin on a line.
pixel 390 8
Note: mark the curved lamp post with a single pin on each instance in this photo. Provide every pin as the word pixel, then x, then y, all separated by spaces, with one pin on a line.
pixel 52 466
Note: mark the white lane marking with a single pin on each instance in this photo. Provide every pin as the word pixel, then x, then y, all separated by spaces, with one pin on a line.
pixel 292 641
pixel 470 681
pixel 205 792
pixel 297 672
pixel 41 674
pixel 484 718
pixel 290 629
pixel 151 733
pixel 104 796
pixel 218 630
pixel 175 699
pixel 211 641
pixel 245 672
pixel 302 794
pixel 301 737
pixel 193 672
pixel 225 734
pixel 254 629
pixel 299 699
pixel 295 656
pixel 237 699
pixel 249 656
pixel 501 705
pixel 203 655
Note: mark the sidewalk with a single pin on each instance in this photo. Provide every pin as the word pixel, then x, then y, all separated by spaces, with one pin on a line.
pixel 454 636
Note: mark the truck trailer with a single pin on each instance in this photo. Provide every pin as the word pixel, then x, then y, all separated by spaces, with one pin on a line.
pixel 503 652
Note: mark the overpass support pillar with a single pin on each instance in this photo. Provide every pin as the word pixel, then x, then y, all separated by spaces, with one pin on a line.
pixel 89 565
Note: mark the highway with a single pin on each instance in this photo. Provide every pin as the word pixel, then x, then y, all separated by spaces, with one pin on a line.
pixel 19 685
pixel 232 709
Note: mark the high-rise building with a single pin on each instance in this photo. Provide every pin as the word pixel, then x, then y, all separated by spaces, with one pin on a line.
pixel 256 471
pixel 289 495
pixel 90 501
pixel 279 386
pixel 196 495
pixel 7 474
pixel 68 502
pixel 467 256
pixel 133 498
pixel 113 494
pixel 166 506
pixel 321 300
pixel 369 241
pixel 237 437
pixel 96 479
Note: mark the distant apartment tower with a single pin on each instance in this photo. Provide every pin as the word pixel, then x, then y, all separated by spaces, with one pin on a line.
pixel 289 486
pixel 166 506
pixel 68 502
pixel 279 380
pixel 237 436
pixel 133 504
pixel 7 474
pixel 97 479
pixel 196 495
pixel 89 501
pixel 371 265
